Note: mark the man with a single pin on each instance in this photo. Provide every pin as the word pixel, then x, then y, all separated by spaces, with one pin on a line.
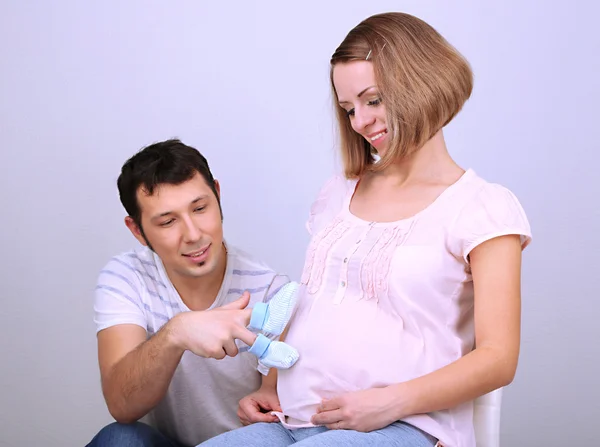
pixel 168 314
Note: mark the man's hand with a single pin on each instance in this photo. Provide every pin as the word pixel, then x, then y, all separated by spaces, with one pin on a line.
pixel 256 406
pixel 213 333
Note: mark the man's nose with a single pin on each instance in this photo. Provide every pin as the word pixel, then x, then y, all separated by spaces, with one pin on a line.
pixel 191 231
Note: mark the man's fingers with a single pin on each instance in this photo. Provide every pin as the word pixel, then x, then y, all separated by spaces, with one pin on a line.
pixel 245 335
pixel 262 417
pixel 238 304
pixel 218 354
pixel 230 348
pixel 250 412
pixel 243 417
pixel 275 405
pixel 248 406
pixel 270 403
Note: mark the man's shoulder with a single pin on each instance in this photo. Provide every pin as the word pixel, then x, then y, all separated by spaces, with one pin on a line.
pixel 250 273
pixel 130 291
pixel 244 261
pixel 136 263
pixel 136 257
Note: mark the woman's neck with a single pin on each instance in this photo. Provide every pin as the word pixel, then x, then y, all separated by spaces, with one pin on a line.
pixel 431 163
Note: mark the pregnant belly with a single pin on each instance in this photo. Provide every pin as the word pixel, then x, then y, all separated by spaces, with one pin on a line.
pixel 345 348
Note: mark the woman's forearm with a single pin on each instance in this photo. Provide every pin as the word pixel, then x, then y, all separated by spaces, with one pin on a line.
pixel 479 372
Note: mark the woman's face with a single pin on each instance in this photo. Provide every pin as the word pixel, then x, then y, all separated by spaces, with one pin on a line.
pixel 359 96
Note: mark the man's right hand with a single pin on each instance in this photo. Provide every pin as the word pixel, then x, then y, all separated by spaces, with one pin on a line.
pixel 256 407
pixel 212 333
pixel 136 371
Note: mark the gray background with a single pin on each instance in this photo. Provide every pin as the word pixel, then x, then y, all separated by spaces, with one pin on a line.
pixel 83 85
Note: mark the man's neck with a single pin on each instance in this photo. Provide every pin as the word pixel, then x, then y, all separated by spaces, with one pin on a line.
pixel 200 293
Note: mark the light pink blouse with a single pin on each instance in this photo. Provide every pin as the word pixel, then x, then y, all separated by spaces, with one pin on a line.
pixel 383 303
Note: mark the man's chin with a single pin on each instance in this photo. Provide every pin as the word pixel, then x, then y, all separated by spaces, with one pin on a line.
pixel 200 269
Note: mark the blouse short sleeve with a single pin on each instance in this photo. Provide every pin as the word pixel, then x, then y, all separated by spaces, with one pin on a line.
pixel 328 203
pixel 494 211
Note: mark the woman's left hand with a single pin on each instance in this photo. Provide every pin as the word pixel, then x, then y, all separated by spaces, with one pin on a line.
pixel 365 410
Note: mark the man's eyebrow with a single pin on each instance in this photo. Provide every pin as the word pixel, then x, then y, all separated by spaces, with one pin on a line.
pixel 199 198
pixel 166 213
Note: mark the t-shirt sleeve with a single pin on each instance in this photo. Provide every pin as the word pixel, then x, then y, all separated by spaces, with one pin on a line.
pixel 494 211
pixel 117 297
pixel 328 203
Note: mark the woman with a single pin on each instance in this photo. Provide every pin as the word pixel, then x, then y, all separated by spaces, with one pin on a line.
pixel 413 262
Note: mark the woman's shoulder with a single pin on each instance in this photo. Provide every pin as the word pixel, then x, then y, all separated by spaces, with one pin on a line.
pixel 491 196
pixel 330 200
pixel 488 210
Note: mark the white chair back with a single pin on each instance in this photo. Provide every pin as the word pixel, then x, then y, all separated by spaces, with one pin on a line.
pixel 486 419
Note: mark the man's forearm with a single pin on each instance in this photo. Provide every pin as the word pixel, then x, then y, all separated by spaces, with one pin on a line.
pixel 138 382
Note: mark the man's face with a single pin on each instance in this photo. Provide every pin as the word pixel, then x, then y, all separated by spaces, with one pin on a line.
pixel 182 224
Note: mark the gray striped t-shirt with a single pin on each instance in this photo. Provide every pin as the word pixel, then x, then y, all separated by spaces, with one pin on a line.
pixel 202 399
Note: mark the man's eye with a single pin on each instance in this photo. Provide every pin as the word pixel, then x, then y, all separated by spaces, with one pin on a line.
pixel 166 223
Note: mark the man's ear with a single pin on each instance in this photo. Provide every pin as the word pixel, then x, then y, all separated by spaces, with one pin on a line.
pixel 135 230
pixel 218 188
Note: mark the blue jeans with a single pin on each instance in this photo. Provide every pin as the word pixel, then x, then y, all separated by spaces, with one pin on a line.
pixel 273 434
pixel 131 435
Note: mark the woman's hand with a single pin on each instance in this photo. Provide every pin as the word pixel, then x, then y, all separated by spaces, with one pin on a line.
pixel 364 411
pixel 256 407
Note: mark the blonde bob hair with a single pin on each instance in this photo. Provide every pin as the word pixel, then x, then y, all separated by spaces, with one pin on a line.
pixel 423 82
